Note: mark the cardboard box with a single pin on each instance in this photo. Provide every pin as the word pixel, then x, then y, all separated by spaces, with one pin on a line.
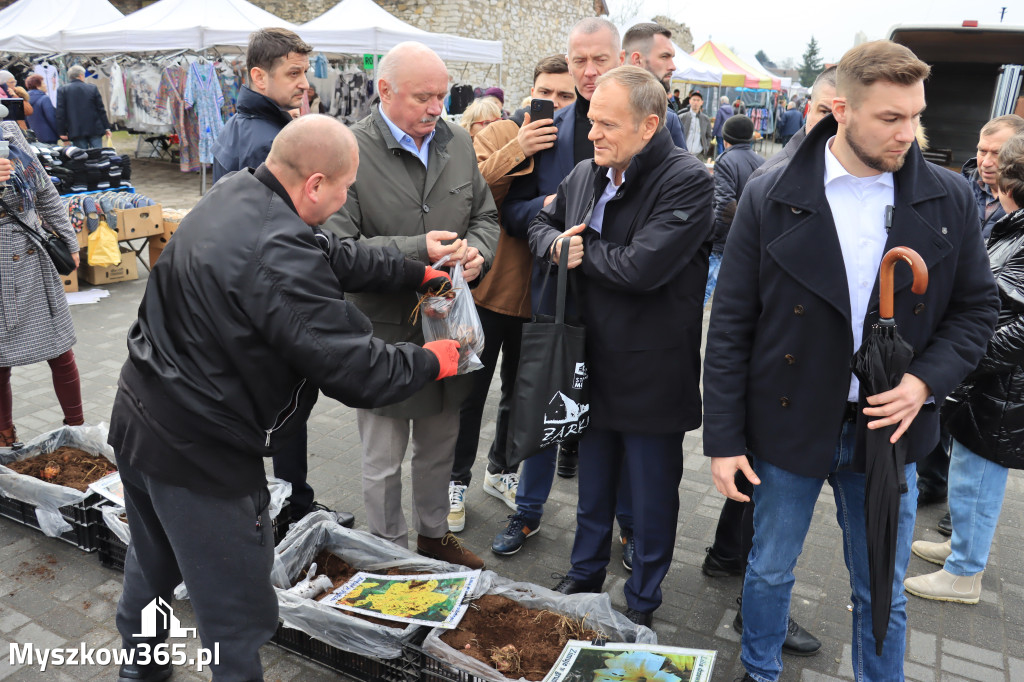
pixel 135 223
pixel 83 238
pixel 170 226
pixel 127 270
pixel 156 247
pixel 70 282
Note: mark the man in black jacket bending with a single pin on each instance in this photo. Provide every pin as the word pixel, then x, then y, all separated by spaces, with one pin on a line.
pixel 243 322
pixel 639 219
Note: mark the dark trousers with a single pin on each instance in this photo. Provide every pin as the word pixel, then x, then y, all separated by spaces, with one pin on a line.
pixel 502 333
pixel 222 548
pixel 734 535
pixel 290 465
pixel 654 463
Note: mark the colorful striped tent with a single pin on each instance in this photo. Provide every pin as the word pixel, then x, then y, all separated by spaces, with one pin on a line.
pixel 736 73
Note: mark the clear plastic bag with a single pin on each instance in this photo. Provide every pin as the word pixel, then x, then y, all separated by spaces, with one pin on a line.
pixel 305 539
pixel 49 497
pixel 455 317
pixel 595 609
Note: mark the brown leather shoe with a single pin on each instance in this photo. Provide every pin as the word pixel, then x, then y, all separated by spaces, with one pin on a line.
pixel 448 548
pixel 9 439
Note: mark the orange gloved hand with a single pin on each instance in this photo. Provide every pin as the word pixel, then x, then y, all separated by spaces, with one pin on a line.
pixel 447 352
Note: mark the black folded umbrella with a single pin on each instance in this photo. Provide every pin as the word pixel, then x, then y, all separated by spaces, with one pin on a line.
pixel 880 364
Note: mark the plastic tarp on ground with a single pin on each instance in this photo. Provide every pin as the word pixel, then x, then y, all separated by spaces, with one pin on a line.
pixel 362 26
pixel 736 72
pixel 174 25
pixel 35 25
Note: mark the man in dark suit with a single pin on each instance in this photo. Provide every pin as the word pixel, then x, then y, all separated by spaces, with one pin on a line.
pixel 797 294
pixel 638 221
pixel 81 116
pixel 593 50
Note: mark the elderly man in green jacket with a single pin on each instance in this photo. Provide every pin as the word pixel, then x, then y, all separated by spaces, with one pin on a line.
pixel 419 190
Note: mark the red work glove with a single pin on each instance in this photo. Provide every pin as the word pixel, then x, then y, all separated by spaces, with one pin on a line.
pixel 447 352
pixel 438 282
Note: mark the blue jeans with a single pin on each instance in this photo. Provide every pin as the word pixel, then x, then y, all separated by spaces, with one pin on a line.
pixel 714 265
pixel 783 505
pixel 976 488
pixel 88 142
pixel 537 474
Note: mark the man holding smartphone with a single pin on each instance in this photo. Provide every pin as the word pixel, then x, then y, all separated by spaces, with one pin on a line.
pixel 504 151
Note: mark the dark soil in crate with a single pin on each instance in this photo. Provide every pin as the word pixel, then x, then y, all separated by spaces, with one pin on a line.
pixel 340 572
pixel 65 466
pixel 515 640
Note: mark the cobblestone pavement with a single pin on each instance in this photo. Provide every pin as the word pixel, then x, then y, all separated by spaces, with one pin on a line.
pixel 52 594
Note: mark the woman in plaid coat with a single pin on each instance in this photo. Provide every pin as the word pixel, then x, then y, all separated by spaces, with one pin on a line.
pixel 35 323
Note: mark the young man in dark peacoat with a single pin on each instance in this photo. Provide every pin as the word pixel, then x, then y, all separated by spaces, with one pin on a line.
pixel 777 369
pixel 641 211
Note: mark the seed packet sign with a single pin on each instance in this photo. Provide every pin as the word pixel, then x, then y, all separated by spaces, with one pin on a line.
pixel 435 600
pixel 619 662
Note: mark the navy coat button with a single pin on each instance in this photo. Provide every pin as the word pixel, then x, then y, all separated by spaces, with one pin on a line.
pixel 790 360
pixel 798 310
pixel 919 308
pixel 784 401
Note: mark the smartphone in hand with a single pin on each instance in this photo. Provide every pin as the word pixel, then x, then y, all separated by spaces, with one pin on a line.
pixel 541 109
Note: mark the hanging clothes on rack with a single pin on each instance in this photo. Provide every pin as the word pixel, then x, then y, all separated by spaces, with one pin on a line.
pixel 171 98
pixel 50 78
pixel 203 93
pixel 118 95
pixel 144 113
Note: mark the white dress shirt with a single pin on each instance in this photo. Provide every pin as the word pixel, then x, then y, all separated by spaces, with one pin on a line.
pixel 858 208
pixel 406 142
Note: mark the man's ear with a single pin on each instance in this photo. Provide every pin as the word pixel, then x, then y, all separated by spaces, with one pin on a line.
pixel 258 78
pixel 649 126
pixel 840 109
pixel 314 183
pixel 384 88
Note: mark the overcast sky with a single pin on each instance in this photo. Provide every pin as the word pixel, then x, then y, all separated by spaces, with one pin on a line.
pixel 782 29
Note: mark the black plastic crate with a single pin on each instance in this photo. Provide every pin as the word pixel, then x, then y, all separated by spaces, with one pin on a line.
pixel 363 668
pixel 82 517
pixel 112 551
pixel 433 669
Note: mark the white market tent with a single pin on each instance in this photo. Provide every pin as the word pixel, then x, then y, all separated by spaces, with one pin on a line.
pixel 692 70
pixel 363 27
pixel 35 25
pixel 174 25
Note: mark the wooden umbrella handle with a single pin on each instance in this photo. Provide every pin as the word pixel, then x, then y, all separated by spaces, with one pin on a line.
pixel 889 260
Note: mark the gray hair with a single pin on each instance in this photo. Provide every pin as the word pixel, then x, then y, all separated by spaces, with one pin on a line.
pixel 5 76
pixel 723 99
pixel 76 71
pixel 646 93
pixel 591 25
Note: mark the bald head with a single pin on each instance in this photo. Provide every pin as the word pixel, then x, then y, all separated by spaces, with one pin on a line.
pixel 413 83
pixel 311 144
pixel 408 60
pixel 315 158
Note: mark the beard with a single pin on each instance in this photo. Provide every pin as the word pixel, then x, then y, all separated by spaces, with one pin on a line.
pixel 878 163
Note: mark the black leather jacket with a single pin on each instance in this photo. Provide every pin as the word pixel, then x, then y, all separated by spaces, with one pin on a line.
pixel 243 320
pixel 988 418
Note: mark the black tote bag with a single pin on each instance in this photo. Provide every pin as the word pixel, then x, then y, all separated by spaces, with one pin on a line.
pixel 551 400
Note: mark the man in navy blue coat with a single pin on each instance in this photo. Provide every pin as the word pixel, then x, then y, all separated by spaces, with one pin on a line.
pixel 81 117
pixel 276 60
pixel 638 218
pixel 797 293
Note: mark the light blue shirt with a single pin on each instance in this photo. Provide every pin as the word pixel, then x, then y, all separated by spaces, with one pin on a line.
pixel 858 208
pixel 406 142
pixel 597 216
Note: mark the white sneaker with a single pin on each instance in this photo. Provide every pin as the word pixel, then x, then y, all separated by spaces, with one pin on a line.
pixel 502 486
pixel 456 507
